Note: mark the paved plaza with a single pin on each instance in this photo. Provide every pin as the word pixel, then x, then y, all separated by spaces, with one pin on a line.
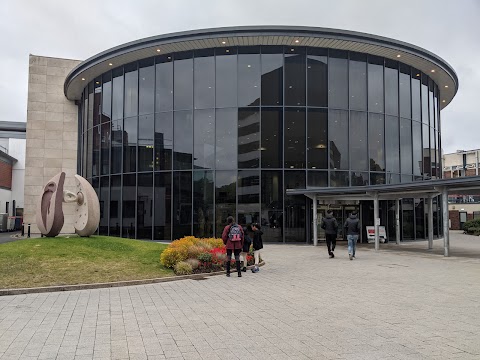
pixel 399 303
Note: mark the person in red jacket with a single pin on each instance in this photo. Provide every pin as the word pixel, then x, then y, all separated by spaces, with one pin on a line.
pixel 233 238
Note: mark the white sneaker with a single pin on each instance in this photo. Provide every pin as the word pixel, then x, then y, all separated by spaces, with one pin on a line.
pixel 350 256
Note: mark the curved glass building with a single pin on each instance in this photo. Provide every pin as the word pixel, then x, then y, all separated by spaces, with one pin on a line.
pixel 179 131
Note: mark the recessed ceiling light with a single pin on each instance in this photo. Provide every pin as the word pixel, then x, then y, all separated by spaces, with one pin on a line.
pixel 249 65
pixel 158 50
pixel 223 42
pixel 433 70
pixel 292 49
pixel 418 74
pixel 169 57
pixel 227 51
pixel 297 41
pixel 83 79
pixel 399 55
pixel 446 86
pixel 97 82
pixel 443 101
pixel 110 64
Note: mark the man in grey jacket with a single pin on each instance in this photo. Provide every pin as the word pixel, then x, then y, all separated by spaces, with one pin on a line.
pixel 352 228
pixel 330 225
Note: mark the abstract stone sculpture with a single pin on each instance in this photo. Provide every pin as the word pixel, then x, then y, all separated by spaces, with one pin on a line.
pixel 50 213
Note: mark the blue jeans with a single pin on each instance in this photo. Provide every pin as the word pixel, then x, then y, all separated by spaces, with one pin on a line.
pixel 352 243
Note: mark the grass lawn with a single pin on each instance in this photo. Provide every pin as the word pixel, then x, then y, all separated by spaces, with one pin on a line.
pixel 76 260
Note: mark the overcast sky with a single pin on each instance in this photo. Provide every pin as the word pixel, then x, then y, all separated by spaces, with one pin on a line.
pixel 80 29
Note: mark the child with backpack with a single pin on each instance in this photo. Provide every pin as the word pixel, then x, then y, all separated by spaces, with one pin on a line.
pixel 257 245
pixel 233 239
pixel 248 231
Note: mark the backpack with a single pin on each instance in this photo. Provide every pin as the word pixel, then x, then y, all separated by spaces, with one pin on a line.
pixel 235 233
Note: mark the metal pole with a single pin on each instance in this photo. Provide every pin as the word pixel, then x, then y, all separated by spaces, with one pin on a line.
pixel 446 236
pixel 397 220
pixel 23 229
pixel 430 223
pixel 28 231
pixel 376 220
pixel 315 235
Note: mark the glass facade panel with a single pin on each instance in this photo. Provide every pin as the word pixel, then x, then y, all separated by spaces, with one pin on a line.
pixel 358 81
pixel 204 81
pixel 272 205
pixel 317 78
pixel 226 138
pixel 408 223
pixel 90 155
pixel 145 142
pixel 424 99
pixel 391 87
pixel 182 204
pixel 203 204
pixel 338 79
pixel 272 79
pixel 248 197
pixel 183 140
pixel 249 77
pixel 104 199
pixel 417 148
pixel 376 140
pixel 146 81
pixel 339 179
pixel 294 138
pixel 163 83
pixel 317 178
pixel 107 97
pixel 248 138
pixel 163 141
pixel 145 206
pixel 338 137
pixel 359 178
pixel 426 151
pixel 106 130
pixel 130 145
pixel 117 146
pixel 115 213
pixel 294 224
pixel 183 82
pixel 163 206
pixel 358 141
pixel 375 84
pixel 317 139
pixel 90 106
pixel 225 198
pixel 272 138
pixel 204 139
pixel 128 205
pixel 416 106
pixel 97 101
pixel 226 80
pixel 131 90
pixel 117 94
pixel 377 178
pixel 96 151
pixel 392 144
pixel 294 76
pixel 405 97
pixel 406 146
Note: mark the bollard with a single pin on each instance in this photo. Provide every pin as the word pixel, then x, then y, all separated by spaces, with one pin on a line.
pixel 28 233
pixel 23 229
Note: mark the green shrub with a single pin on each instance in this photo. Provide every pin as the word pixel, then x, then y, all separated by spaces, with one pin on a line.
pixel 475 223
pixel 205 257
pixel 183 268
pixel 194 263
pixel 473 231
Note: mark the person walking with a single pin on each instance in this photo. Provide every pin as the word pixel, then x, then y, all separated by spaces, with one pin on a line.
pixel 233 238
pixel 257 245
pixel 248 231
pixel 330 225
pixel 352 228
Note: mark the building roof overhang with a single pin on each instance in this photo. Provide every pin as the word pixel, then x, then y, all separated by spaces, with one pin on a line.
pixel 391 192
pixel 437 68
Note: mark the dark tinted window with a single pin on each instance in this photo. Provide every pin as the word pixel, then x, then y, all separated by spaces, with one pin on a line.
pixel 376 133
pixel 104 200
pixel 391 87
pixel 406 146
pixel 115 205
pixel 358 141
pixel 204 81
pixel 204 139
pixel 338 138
pixel 426 149
pixel 226 79
pixel 272 79
pixel 129 197
pixel 225 198
pixel 97 101
pixel 163 206
pixel 338 80
pixel 272 205
pixel 248 197
pixel 317 139
pixel 317 178
pixel 147 85
pixel 163 140
pixel 294 222
pixel 226 138
pixel 96 151
pixel 203 204
pixel 105 148
pixel 145 142
pixel 272 138
pixel 294 76
pixel 359 178
pixel 130 144
pixel 417 148
pixel 248 138
pixel 131 90
pixel 375 84
pixel 182 204
pixel 294 138
pixel 249 80
pixel 107 97
pixel 117 94
pixel 183 82
pixel 183 140
pixel 358 81
pixel 117 145
pixel 145 206
pixel 405 98
pixel 164 83
pixel 90 105
pixel 317 77
pixel 392 145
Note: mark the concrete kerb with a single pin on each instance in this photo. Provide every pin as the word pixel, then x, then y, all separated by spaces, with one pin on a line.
pixel 45 289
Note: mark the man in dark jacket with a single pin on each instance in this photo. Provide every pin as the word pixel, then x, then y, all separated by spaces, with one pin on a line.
pixel 233 238
pixel 352 228
pixel 330 225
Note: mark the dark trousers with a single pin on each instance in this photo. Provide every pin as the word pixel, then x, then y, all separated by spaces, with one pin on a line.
pixel 236 252
pixel 331 242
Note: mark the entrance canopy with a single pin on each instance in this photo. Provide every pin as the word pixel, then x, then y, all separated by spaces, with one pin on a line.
pixel 424 189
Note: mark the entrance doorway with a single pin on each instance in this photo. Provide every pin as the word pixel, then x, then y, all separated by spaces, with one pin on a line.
pixel 341 212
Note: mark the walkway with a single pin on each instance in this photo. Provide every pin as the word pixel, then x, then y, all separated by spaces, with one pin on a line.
pixel 301 305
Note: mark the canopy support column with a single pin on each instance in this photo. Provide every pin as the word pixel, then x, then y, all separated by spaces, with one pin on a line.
pixel 315 235
pixel 376 220
pixel 446 236
pixel 430 223
pixel 397 221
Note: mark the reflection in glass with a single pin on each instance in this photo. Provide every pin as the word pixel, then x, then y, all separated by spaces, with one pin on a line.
pixel 163 83
pixel 405 98
pixel 163 141
pixel 183 82
pixel 204 81
pixel 248 138
pixel 182 143
pixel 272 205
pixel 358 81
pixel 97 98
pixel 147 84
pixel 339 179
pixel 130 145
pixel 226 138
pixel 203 204
pixel 317 178
pixel 295 206
pixel 406 146
pixel 359 178
pixel 90 105
pixel 89 153
pixel 426 151
pixel 225 198
pixel 182 204
pixel 96 151
pixel 338 137
pixel 392 145
pixel 317 139
pixel 107 97
pixel 375 84
pixel 294 76
pixel 248 197
pixel 204 139
pixel 408 223
pixel 317 77
pixel 294 138
pixel 104 199
pixel 433 159
pixel 248 80
pixel 226 80
pixel 105 148
pixel 272 138
pixel 145 206
pixel 128 208
pixel 117 94
pixel 358 141
pixel 376 133
pixel 131 90
pixel 272 79
pixel 163 206
pixel 338 79
pixel 145 143
pixel 416 106
pixel 391 87
pixel 377 178
pixel 115 208
pixel 117 146
pixel 424 99
pixel 417 148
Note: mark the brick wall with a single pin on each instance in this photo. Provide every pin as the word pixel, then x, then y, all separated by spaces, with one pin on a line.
pixel 5 175
pixel 454 217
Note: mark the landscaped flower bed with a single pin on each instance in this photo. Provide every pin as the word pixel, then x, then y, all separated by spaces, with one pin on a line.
pixel 191 255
